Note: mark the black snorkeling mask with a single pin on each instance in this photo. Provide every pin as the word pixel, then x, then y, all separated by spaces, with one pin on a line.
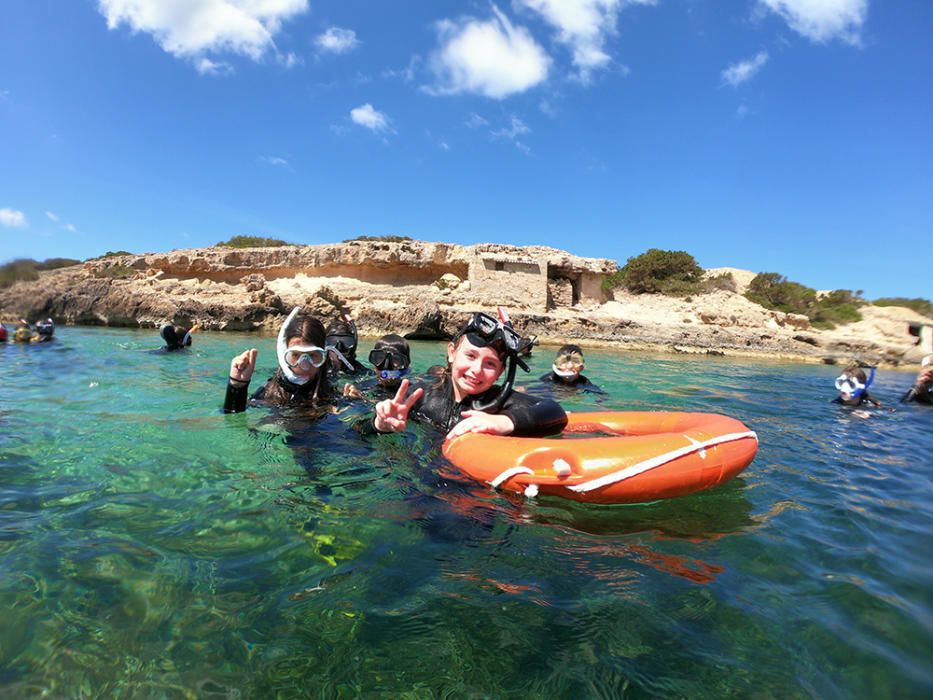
pixel 387 358
pixel 346 344
pixel 483 330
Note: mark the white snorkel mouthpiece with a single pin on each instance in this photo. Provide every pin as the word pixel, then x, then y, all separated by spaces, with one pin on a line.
pixel 565 373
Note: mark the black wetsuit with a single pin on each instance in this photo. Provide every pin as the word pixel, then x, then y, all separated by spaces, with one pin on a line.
pixel 336 369
pixel 278 391
pixel 864 397
pixel 920 393
pixel 531 416
pixel 578 382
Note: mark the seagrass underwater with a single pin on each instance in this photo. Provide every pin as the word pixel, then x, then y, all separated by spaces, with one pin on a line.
pixel 153 546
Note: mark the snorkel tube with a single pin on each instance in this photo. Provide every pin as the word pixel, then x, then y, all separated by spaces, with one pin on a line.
pixel 281 347
pixel 513 361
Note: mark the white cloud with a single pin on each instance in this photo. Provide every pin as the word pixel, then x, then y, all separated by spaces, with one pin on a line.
pixel 738 73
pixel 583 25
pixel 475 121
pixel 407 73
pixel 336 40
pixel 206 66
pixel 274 160
pixel 13 218
pixel 370 118
pixel 492 58
pixel 822 20
pixel 71 227
pixel 511 133
pixel 191 28
pixel 53 217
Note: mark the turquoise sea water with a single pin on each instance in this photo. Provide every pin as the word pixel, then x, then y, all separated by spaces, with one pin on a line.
pixel 152 547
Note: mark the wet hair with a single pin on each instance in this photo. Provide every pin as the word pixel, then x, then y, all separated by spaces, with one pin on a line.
pixel 856 372
pixel 174 336
pixel 308 328
pixel 395 342
pixel 569 350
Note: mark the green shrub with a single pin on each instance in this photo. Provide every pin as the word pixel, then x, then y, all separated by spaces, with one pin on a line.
pixel 27 269
pixel 724 281
pixel 921 306
pixel 252 242
pixel 656 271
pixel 112 254
pixel 774 291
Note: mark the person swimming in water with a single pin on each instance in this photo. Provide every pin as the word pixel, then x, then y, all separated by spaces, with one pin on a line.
pixel 466 398
pixel 852 386
pixel 3 335
pixel 922 390
pixel 176 337
pixel 301 377
pixel 45 331
pixel 567 370
pixel 23 332
pixel 391 362
pixel 342 338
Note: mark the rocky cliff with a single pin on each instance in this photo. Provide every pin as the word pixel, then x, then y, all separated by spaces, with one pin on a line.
pixel 399 286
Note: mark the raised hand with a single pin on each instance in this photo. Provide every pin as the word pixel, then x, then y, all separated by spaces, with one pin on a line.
pixel 243 365
pixel 392 414
pixel 482 422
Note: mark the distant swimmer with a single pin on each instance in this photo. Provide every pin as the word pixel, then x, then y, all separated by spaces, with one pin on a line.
pixel 853 385
pixel 567 370
pixel 176 337
pixel 23 332
pixel 301 378
pixel 3 335
pixel 45 331
pixel 922 390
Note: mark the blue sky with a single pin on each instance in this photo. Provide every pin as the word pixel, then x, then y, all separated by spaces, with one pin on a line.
pixel 775 135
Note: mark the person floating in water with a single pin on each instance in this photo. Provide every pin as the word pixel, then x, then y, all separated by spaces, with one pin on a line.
pixel 342 339
pixel 391 362
pixel 922 390
pixel 45 331
pixel 567 370
pixel 466 397
pixel 176 337
pixel 3 336
pixel 301 377
pixel 23 332
pixel 852 386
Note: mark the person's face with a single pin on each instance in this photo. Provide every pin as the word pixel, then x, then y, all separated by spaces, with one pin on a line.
pixel 473 370
pixel 304 368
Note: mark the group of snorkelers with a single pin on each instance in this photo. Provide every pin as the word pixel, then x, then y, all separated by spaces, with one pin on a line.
pixel 458 397
pixel 42 332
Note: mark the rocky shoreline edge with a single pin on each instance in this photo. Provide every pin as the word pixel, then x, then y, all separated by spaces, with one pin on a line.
pixel 428 289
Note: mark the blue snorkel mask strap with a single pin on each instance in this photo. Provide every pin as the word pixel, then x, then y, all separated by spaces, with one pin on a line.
pixel 393 373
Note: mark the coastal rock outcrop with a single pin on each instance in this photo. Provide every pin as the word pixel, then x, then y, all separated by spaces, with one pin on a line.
pixel 426 290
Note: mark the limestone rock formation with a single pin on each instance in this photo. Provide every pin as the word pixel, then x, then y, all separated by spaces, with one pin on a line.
pixel 428 290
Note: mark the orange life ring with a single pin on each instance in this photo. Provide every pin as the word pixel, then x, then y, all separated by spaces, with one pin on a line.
pixel 644 457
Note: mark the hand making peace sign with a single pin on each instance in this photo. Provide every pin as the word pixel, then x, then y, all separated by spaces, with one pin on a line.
pixel 392 414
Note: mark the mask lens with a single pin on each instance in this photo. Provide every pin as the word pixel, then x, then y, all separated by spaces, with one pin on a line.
pixel 485 325
pixel 313 356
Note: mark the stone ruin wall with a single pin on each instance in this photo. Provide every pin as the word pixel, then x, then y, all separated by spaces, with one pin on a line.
pixel 517 281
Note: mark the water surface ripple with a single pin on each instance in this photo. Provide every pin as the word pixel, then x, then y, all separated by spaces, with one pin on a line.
pixel 152 547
